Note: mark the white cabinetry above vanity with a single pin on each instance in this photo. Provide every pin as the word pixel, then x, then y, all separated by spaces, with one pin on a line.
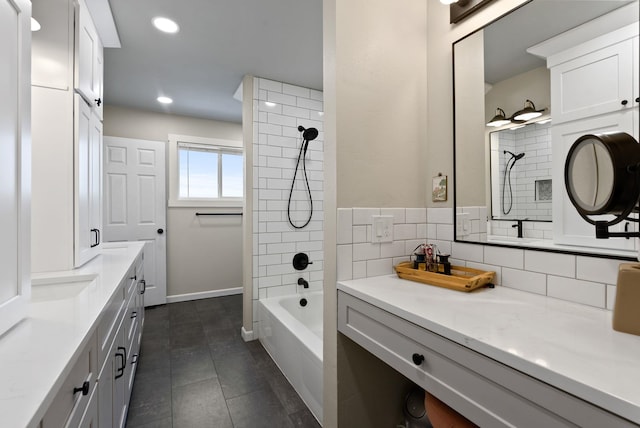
pixel 67 136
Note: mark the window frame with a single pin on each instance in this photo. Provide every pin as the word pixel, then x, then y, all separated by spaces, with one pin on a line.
pixel 213 144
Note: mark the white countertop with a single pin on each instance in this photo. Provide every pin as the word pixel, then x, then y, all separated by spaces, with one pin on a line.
pixel 570 346
pixel 35 354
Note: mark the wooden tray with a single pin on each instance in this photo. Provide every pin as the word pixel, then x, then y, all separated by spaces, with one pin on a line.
pixel 461 278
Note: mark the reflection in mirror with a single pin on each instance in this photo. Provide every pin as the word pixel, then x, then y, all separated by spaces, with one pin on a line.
pixel 506 180
pixel 521 172
pixel 590 175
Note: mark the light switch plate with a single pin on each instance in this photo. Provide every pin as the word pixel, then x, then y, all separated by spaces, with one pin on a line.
pixel 382 228
pixel 463 225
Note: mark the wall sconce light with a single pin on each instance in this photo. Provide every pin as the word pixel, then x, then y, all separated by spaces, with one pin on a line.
pixel 521 116
pixel 527 113
pixel 499 119
pixel 460 9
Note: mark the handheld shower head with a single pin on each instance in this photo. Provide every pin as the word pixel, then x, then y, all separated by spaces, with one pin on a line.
pixel 308 134
pixel 515 157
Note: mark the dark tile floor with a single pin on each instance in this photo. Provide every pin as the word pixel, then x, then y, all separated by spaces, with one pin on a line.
pixel 196 371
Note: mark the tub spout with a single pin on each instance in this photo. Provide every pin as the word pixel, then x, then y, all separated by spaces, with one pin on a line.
pixel 303 282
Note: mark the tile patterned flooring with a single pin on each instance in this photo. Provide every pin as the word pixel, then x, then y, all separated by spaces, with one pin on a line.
pixel 196 371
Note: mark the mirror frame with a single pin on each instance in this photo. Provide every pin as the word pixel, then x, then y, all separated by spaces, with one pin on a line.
pixel 572 251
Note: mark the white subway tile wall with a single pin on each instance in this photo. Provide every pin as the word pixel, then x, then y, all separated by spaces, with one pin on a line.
pixel 580 279
pixel 278 109
pixel 361 258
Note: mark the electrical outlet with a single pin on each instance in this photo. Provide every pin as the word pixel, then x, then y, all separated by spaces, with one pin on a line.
pixel 382 228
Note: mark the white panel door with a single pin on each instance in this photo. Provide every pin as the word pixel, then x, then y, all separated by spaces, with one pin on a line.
pixel 135 205
pixel 15 160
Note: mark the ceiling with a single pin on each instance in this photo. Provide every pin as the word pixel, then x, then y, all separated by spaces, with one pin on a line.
pixel 219 42
pixel 507 39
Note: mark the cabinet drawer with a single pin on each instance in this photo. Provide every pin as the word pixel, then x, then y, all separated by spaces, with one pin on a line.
pixel 68 406
pixel 484 390
pixel 110 321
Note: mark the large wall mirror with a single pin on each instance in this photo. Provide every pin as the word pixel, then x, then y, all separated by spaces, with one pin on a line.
pixel 526 86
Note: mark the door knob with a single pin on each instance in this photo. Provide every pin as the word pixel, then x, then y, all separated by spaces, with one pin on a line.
pixel 160 231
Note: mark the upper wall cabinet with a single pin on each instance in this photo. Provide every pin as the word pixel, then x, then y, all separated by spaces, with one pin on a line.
pixel 67 137
pixel 15 160
pixel 594 89
pixel 89 60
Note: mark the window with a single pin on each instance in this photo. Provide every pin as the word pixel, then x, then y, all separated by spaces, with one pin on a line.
pixel 205 172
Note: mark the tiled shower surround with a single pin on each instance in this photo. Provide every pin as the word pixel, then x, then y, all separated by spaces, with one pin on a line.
pixel 534 169
pixel 580 279
pixel 278 110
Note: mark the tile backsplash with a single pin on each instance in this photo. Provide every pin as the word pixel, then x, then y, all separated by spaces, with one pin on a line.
pixel 580 279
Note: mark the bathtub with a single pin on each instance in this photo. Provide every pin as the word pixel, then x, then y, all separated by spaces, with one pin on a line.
pixel 292 335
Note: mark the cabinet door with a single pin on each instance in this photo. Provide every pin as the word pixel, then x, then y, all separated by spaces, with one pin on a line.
pixel 112 384
pixel 607 73
pixel 85 237
pixel 95 179
pixel 568 226
pixel 15 160
pixel 87 47
pixel 88 182
pixel 98 80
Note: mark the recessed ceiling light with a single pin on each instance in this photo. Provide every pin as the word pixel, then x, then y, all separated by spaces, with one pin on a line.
pixel 164 100
pixel 448 1
pixel 35 25
pixel 269 104
pixel 165 25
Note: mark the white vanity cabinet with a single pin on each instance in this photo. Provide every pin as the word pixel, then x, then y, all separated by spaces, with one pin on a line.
pixel 484 390
pixel 67 137
pixel 15 160
pixel 123 334
pixel 71 405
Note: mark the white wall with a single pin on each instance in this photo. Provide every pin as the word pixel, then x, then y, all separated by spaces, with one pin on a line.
pixel 204 254
pixel 278 110
pixel 375 107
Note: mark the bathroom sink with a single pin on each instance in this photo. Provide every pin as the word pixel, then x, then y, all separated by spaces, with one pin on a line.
pixel 59 287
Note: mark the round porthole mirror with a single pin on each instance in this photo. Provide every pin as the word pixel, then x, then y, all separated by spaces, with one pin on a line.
pixel 602 175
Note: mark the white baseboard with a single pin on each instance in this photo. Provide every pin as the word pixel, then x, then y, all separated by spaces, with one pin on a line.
pixel 204 295
pixel 247 336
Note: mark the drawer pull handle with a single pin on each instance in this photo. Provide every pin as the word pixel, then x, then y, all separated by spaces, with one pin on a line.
pixel 144 286
pixel 84 388
pixel 417 359
pixel 624 102
pixel 123 355
pixel 134 314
